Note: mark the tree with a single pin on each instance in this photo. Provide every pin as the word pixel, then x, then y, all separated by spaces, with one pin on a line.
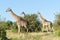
pixel 57 21
pixel 9 24
pixel 3 34
pixel 34 24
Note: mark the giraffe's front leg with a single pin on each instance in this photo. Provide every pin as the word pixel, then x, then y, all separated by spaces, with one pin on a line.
pixel 43 28
pixel 19 32
pixel 18 29
pixel 19 25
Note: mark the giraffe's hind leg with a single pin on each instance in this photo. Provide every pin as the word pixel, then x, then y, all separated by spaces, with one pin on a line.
pixel 51 28
pixel 26 27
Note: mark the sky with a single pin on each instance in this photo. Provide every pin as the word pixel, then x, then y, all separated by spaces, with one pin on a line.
pixel 46 7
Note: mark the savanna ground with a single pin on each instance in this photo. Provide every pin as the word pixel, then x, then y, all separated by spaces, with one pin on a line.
pixel 33 36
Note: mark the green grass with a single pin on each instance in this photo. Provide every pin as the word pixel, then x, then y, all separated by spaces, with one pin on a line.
pixel 57 33
pixel 14 39
pixel 28 37
pixel 33 36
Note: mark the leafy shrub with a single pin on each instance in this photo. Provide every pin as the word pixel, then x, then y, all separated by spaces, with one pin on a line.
pixel 3 34
pixel 57 22
pixel 57 33
pixel 34 24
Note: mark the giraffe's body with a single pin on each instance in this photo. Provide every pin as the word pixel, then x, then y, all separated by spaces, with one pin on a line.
pixel 46 24
pixel 19 20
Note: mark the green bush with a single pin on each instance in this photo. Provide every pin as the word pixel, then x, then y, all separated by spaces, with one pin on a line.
pixel 57 33
pixel 14 39
pixel 34 24
pixel 3 34
pixel 57 22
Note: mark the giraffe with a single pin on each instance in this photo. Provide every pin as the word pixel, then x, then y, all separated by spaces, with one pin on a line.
pixel 46 24
pixel 19 20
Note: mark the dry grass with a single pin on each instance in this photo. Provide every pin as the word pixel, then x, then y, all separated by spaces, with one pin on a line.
pixel 33 36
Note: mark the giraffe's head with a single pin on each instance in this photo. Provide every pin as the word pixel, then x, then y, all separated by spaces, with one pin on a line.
pixel 23 13
pixel 38 12
pixel 8 10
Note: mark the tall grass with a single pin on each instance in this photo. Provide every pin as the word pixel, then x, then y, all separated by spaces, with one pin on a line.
pixel 57 33
pixel 28 37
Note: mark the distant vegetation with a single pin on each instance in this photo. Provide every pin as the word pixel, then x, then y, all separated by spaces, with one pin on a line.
pixel 56 24
pixel 34 25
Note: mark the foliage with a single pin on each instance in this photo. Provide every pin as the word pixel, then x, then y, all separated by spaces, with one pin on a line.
pixel 57 33
pixel 3 34
pixel 14 27
pixel 57 22
pixel 58 19
pixel 34 24
pixel 6 25
pixel 9 24
pixel 14 39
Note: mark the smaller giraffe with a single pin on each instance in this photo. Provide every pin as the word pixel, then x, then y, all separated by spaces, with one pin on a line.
pixel 46 24
pixel 19 20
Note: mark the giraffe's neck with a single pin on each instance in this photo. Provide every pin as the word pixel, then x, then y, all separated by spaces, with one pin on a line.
pixel 42 19
pixel 14 15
